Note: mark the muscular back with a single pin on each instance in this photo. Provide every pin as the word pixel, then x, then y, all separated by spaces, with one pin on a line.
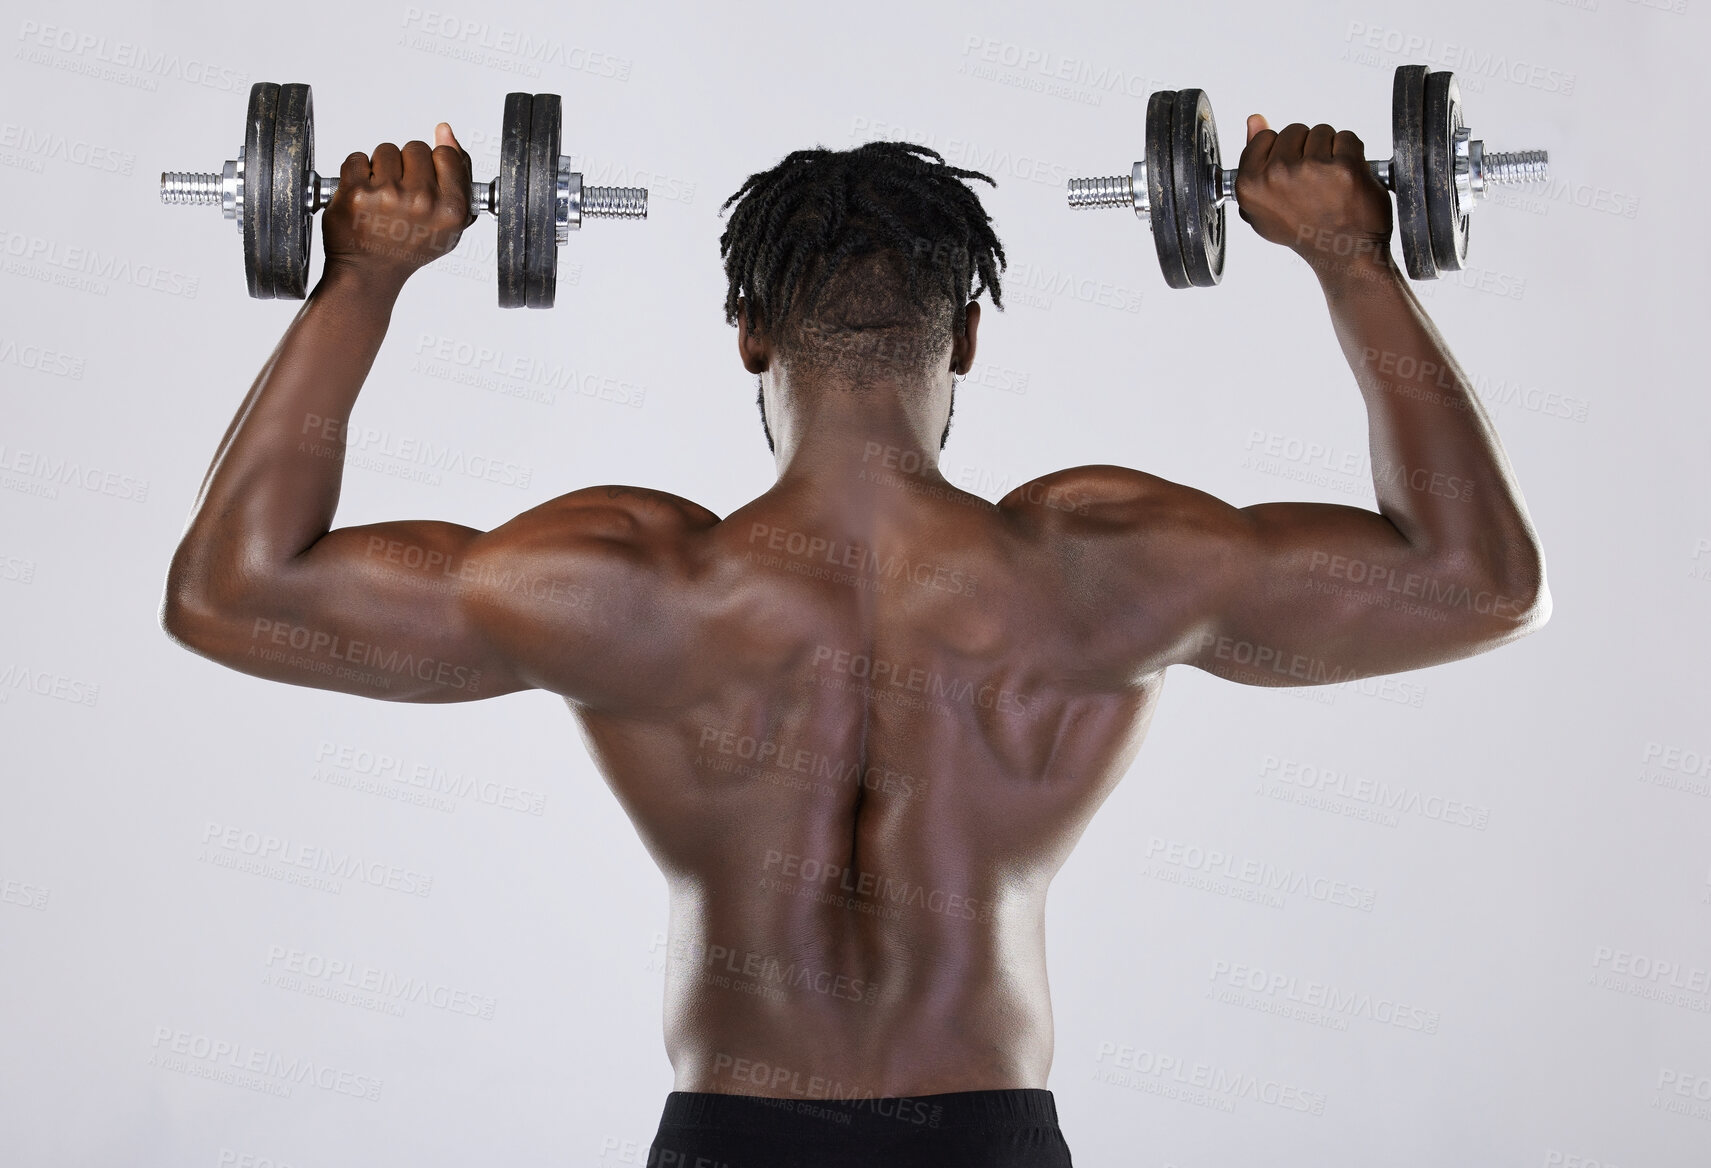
pixel 858 750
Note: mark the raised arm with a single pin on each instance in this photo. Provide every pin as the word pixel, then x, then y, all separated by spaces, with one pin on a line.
pixel 1309 593
pixel 415 611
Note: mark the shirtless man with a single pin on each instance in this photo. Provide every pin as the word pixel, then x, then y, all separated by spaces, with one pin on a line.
pixel 862 721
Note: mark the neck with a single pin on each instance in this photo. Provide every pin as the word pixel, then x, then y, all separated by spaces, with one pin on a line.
pixel 852 438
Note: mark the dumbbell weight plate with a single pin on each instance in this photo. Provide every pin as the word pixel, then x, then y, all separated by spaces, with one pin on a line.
pixel 291 222
pixel 542 246
pixel 1408 133
pixel 1444 210
pixel 512 207
pixel 1161 179
pixel 258 189
pixel 1199 215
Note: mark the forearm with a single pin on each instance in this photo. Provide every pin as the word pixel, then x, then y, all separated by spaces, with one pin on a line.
pixel 1438 468
pixel 273 487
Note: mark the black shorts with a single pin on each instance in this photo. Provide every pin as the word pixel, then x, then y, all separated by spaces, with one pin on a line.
pixel 963 1129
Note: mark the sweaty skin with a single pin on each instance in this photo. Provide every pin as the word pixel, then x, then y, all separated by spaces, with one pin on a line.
pixel 860 722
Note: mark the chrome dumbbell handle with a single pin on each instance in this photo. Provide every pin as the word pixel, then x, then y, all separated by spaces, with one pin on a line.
pixel 1227 178
pixel 225 189
pixel 1476 170
pixel 1131 190
pixel 483 197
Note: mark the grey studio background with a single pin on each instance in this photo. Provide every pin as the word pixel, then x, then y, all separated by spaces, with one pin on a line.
pixel 1522 977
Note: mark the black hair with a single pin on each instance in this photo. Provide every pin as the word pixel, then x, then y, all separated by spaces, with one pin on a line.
pixel 898 228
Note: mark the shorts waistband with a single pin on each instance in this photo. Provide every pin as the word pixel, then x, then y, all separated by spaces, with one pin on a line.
pixel 983 1111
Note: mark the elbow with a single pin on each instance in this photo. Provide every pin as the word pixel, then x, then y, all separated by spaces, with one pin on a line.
pixel 187 617
pixel 194 608
pixel 1530 608
pixel 1499 599
pixel 1530 592
pixel 1518 597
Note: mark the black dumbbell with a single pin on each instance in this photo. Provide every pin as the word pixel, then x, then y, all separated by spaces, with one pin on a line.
pixel 1437 170
pixel 271 189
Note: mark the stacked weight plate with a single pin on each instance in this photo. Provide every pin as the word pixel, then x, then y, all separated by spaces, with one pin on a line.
pixel 275 167
pixel 278 191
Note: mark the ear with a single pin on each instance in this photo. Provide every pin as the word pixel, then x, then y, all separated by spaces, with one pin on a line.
pixel 962 344
pixel 754 349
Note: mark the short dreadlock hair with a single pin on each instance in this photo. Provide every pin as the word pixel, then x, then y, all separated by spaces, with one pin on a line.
pixel 847 257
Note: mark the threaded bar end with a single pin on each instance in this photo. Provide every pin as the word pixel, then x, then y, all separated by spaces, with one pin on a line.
pixel 1116 191
pixel 1517 166
pixel 614 202
pixel 190 188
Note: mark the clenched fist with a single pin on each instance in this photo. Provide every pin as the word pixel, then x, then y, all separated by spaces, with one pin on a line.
pixel 1312 191
pixel 398 210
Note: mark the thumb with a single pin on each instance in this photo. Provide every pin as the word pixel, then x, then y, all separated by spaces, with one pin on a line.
pixel 443 136
pixel 1256 123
